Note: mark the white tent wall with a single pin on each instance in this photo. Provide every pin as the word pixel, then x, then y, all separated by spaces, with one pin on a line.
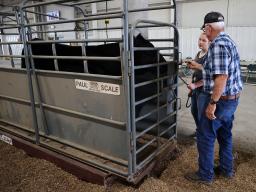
pixel 65 12
pixel 239 19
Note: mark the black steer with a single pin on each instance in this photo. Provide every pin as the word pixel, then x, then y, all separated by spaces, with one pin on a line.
pixel 103 67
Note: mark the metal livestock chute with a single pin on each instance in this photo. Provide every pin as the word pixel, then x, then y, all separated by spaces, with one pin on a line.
pixel 106 124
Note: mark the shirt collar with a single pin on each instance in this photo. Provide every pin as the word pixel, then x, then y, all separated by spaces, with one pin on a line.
pixel 219 35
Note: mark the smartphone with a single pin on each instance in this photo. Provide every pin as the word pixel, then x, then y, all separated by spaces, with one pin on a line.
pixel 188 61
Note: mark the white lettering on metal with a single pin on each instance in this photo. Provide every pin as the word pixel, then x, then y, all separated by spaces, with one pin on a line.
pixel 6 139
pixel 99 87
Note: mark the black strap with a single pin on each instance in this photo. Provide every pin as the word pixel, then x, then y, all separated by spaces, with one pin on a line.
pixel 188 103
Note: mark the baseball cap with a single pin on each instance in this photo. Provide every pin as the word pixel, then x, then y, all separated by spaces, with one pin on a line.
pixel 213 17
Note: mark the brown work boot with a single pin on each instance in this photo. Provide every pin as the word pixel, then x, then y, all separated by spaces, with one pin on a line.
pixel 194 177
pixel 219 173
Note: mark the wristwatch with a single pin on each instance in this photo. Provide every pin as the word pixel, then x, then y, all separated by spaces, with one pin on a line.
pixel 212 102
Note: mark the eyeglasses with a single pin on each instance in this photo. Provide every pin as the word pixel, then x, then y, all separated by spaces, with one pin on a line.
pixel 206 25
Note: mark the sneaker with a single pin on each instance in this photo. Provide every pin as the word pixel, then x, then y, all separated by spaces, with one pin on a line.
pixel 193 135
pixel 194 177
pixel 220 173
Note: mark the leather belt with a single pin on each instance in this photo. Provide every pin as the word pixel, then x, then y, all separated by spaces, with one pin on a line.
pixel 230 97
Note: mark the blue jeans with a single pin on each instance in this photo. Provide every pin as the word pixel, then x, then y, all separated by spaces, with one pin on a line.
pixel 194 108
pixel 209 130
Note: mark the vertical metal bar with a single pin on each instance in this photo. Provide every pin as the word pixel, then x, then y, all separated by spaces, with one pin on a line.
pixel 158 99
pixel 30 85
pixel 133 107
pixel 175 13
pixel 28 31
pixel 44 121
pixel 54 52
pixel 85 37
pixel 30 53
pixel 55 35
pixel 175 46
pixel 85 22
pixel 126 83
pixel 10 53
pixel 86 32
pixel 85 61
pixel 176 59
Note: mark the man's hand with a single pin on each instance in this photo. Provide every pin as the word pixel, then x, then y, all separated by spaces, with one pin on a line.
pixel 210 110
pixel 191 86
pixel 193 65
pixel 190 93
pixel 219 85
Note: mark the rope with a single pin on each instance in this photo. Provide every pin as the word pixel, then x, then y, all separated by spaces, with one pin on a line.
pixel 188 103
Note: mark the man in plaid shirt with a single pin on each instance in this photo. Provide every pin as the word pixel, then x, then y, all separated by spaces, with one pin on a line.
pixel 218 101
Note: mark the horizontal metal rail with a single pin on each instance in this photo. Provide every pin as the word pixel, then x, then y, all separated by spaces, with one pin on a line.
pixel 101 29
pixel 168 129
pixel 76 19
pixel 13 56
pixel 67 75
pixel 9 34
pixel 71 112
pixel 11 43
pixel 131 11
pixel 154 125
pixel 153 48
pixel 152 8
pixel 72 30
pixel 151 112
pixel 147 99
pixel 44 3
pixel 145 146
pixel 77 41
pixel 162 40
pixel 85 149
pixel 63 1
pixel 151 81
pixel 88 2
pixel 168 54
pixel 72 145
pixel 147 160
pixel 146 130
pixel 151 157
pixel 18 100
pixel 93 162
pixel 85 116
pixel 10 27
pixel 150 65
pixel 77 58
pixel 3 13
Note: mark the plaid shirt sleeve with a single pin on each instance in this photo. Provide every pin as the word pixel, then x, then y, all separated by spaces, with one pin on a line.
pixel 220 59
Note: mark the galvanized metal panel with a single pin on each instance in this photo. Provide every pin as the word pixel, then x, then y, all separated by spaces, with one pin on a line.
pixel 86 134
pixel 60 91
pixel 14 83
pixel 14 97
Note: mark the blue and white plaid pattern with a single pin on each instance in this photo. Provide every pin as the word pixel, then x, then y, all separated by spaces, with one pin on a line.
pixel 223 58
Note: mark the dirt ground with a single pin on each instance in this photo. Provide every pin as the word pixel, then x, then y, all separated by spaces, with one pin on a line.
pixel 19 172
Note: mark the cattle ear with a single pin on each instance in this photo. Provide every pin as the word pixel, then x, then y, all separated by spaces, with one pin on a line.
pixel 37 39
pixel 139 36
pixel 139 39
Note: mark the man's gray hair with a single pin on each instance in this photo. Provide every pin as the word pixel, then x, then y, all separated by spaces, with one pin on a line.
pixel 218 25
